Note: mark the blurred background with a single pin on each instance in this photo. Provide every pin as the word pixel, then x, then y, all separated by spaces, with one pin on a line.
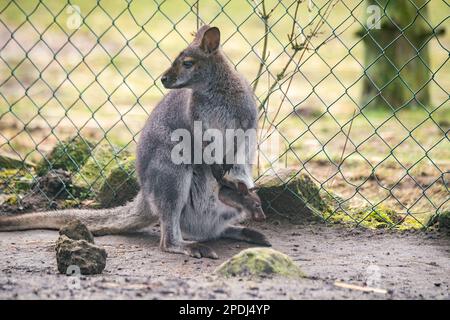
pixel 354 92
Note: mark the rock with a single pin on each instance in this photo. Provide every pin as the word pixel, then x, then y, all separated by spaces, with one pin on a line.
pixel 54 183
pixel 69 155
pixel 91 259
pixel 75 247
pixel 259 262
pixel 109 174
pixel 291 194
pixel 13 162
pixel 75 230
pixel 444 220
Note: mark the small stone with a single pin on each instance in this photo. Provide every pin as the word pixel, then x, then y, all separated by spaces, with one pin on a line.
pixel 76 230
pixel 91 259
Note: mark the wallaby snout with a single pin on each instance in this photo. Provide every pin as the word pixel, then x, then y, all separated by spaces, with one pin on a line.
pixel 168 80
pixel 259 215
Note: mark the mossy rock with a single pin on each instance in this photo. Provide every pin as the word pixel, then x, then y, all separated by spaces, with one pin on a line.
pixel 291 194
pixel 69 155
pixel 54 184
pixel 109 175
pixel 259 262
pixel 444 220
pixel 91 259
pixel 120 186
pixel 104 157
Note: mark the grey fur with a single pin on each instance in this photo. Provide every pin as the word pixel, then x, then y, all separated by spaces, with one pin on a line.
pixel 184 197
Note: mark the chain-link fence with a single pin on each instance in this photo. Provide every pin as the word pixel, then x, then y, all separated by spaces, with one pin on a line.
pixel 353 93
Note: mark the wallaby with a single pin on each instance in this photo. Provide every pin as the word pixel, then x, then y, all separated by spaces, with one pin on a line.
pixel 185 197
pixel 239 196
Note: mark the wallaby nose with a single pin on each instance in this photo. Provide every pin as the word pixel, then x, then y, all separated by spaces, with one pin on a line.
pixel 259 216
pixel 164 79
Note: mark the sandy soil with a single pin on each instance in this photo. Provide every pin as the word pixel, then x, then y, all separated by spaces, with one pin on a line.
pixel 407 265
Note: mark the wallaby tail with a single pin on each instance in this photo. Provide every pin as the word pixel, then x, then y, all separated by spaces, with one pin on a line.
pixel 133 216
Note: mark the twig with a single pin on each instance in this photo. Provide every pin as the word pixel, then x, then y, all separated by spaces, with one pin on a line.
pixel 283 71
pixel 303 47
pixel 359 288
pixel 265 17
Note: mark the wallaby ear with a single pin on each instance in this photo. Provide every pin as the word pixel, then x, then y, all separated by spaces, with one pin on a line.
pixel 242 187
pixel 254 189
pixel 211 40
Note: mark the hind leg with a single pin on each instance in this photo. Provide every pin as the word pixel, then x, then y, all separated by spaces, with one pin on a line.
pixel 168 200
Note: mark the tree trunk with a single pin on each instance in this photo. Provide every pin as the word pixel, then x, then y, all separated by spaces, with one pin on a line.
pixel 396 56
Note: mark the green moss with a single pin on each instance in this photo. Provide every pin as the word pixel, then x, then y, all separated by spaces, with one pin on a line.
pixel 12 200
pixel 70 203
pixel 97 167
pixel 414 223
pixel 380 217
pixel 68 155
pixel 15 181
pixel 259 262
pixel 108 175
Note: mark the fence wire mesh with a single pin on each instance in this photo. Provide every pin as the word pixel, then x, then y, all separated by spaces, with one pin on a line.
pixel 353 93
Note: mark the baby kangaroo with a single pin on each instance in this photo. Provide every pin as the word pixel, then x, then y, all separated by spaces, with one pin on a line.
pixel 239 196
pixel 185 195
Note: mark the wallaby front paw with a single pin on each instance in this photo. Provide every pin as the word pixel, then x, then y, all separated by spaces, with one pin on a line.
pixel 198 250
pixel 255 237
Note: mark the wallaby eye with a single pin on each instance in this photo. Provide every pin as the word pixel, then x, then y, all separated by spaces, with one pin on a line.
pixel 188 64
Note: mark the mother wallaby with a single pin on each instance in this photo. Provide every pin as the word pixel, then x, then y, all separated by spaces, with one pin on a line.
pixel 184 196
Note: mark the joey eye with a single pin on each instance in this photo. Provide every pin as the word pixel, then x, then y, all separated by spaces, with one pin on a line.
pixel 188 64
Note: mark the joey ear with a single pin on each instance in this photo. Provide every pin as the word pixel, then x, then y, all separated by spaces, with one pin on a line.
pixel 211 40
pixel 242 187
pixel 254 189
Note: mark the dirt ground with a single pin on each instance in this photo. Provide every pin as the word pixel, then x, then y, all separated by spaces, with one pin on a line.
pixel 407 265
